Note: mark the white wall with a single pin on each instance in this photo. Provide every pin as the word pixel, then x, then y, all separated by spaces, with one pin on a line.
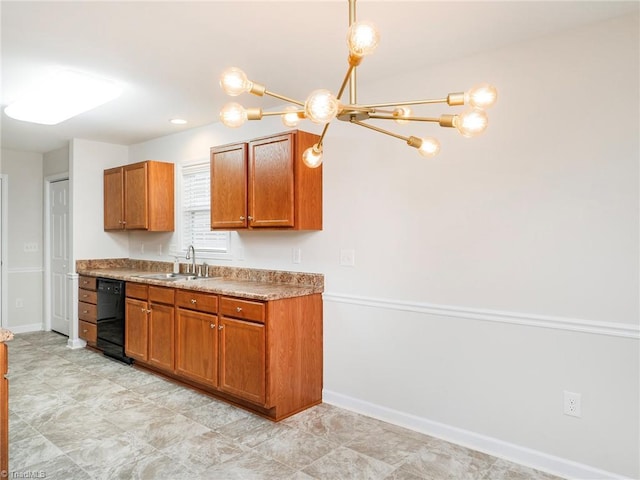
pixel 25 268
pixel 88 160
pixel 492 278
pixel 56 161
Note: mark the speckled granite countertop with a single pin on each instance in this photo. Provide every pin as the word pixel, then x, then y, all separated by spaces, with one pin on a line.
pixel 237 282
pixel 5 335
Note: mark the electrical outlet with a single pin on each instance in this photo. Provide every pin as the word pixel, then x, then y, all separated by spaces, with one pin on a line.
pixel 348 257
pixel 296 255
pixel 31 247
pixel 19 303
pixel 572 404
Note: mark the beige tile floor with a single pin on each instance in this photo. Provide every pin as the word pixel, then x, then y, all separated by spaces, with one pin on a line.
pixel 75 414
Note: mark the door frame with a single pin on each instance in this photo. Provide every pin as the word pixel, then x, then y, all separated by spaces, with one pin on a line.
pixel 47 249
pixel 4 204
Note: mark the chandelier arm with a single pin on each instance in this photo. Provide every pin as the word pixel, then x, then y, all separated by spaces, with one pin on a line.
pixel 282 97
pixel 283 112
pixel 402 104
pixel 413 119
pixel 380 130
pixel 324 131
pixel 345 81
pixel 353 94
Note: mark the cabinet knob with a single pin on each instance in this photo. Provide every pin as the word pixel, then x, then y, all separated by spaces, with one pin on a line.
pixel 213 325
pixel 194 301
pixel 148 311
pixel 238 309
pixel 250 218
pixel 241 217
pixel 220 327
pixel 85 311
pixel 85 330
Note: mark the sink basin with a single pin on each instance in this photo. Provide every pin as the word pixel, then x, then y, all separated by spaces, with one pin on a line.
pixel 169 276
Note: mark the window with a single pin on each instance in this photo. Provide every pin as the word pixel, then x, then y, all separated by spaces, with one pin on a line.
pixel 196 211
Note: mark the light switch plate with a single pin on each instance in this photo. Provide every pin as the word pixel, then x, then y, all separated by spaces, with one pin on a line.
pixel 348 257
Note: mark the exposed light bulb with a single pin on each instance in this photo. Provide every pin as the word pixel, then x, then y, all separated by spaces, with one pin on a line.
pixel 234 81
pixel 312 156
pixel 472 122
pixel 430 147
pixel 481 96
pixel 321 106
pixel 400 113
pixel 291 118
pixel 362 38
pixel 233 115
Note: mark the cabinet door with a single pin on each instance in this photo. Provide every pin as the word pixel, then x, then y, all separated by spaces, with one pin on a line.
pixel 136 330
pixel 113 199
pixel 229 187
pixel 271 182
pixel 136 215
pixel 197 346
pixel 242 359
pixel 4 411
pixel 161 336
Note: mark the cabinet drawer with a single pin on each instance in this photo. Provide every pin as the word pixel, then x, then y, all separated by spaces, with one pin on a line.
pixel 137 290
pixel 87 312
pixel 87 296
pixel 87 283
pixel 244 309
pixel 161 294
pixel 88 331
pixel 203 302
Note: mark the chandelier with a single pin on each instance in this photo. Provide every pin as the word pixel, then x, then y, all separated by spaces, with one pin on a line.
pixel 322 106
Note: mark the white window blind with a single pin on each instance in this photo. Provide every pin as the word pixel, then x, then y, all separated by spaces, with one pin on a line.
pixel 196 211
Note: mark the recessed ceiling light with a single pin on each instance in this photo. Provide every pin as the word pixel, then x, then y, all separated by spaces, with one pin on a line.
pixel 178 121
pixel 61 96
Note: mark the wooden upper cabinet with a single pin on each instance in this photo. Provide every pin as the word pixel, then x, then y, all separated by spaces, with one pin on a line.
pixel 139 196
pixel 113 199
pixel 229 187
pixel 271 182
pixel 264 184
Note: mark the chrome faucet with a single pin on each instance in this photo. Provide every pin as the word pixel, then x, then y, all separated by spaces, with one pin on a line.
pixel 191 255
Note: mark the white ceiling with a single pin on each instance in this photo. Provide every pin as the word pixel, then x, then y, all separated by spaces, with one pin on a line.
pixel 169 55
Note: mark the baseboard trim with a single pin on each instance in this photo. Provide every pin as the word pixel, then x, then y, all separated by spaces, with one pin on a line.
pixel 492 446
pixel 515 318
pixel 34 327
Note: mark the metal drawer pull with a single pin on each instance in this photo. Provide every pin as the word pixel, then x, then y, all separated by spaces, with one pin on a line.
pixel 238 309
pixel 193 300
pixel 85 330
pixel 85 311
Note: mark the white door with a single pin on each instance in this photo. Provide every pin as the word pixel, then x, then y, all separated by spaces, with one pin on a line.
pixel 59 248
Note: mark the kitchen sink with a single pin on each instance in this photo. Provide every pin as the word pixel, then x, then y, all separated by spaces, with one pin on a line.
pixel 170 276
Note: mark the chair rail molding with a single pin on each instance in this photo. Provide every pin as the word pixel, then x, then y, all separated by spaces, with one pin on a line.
pixel 625 330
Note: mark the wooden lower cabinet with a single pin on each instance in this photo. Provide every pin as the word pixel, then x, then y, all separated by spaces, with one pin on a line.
pixel 88 310
pixel 136 331
pixel 197 346
pixel 243 359
pixel 4 410
pixel 264 356
pixel 150 326
pixel 161 336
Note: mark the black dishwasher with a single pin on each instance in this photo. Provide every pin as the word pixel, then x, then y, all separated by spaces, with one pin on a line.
pixel 110 318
